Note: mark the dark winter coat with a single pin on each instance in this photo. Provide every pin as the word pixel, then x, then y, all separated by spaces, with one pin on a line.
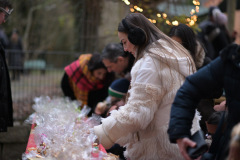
pixel 223 72
pixel 6 110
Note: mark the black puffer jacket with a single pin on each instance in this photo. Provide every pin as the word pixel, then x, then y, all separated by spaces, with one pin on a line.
pixel 6 110
pixel 223 72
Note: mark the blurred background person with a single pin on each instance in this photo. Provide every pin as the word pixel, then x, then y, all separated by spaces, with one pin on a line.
pixel 186 37
pixel 117 92
pixel 87 74
pixel 117 60
pixel 15 54
pixel 214 34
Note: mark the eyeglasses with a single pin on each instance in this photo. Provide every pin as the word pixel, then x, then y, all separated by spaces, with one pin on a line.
pixel 7 13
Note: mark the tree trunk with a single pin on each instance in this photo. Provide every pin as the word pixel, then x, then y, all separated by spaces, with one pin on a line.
pixel 28 26
pixel 231 8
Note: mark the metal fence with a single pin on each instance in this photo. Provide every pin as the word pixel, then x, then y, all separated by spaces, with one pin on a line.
pixel 34 74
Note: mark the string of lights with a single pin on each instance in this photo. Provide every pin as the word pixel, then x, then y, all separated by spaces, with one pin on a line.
pixel 190 21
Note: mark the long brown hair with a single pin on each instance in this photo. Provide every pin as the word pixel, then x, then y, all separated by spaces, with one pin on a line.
pixel 152 33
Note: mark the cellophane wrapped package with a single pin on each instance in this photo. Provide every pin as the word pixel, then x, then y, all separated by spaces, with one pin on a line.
pixel 63 131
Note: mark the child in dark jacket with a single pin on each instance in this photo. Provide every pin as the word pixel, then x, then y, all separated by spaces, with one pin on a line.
pixel 117 92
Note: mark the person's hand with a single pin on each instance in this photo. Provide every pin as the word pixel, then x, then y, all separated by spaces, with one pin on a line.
pixel 183 143
pixel 220 107
pixel 115 107
pixel 100 108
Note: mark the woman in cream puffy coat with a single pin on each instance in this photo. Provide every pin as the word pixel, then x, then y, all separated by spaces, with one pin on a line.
pixel 160 68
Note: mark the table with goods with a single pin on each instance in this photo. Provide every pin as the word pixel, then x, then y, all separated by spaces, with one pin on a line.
pixel 61 131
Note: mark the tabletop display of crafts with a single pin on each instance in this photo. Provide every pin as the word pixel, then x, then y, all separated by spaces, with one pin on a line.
pixel 61 131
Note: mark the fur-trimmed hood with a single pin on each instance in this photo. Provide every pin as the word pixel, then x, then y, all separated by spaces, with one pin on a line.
pixel 176 56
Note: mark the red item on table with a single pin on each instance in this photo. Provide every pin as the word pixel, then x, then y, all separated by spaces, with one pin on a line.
pixel 31 143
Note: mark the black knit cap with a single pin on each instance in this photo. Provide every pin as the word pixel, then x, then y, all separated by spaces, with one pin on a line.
pixel 119 88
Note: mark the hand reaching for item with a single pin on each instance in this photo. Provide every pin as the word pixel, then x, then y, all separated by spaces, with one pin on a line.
pixel 183 144
pixel 100 108
pixel 220 107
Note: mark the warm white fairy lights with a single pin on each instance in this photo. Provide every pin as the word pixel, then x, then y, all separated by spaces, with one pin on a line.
pixel 168 22
pixel 138 8
pixel 126 2
pixel 192 11
pixel 197 9
pixel 175 23
pixel 190 21
pixel 164 15
pixel 152 20
pixel 196 2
